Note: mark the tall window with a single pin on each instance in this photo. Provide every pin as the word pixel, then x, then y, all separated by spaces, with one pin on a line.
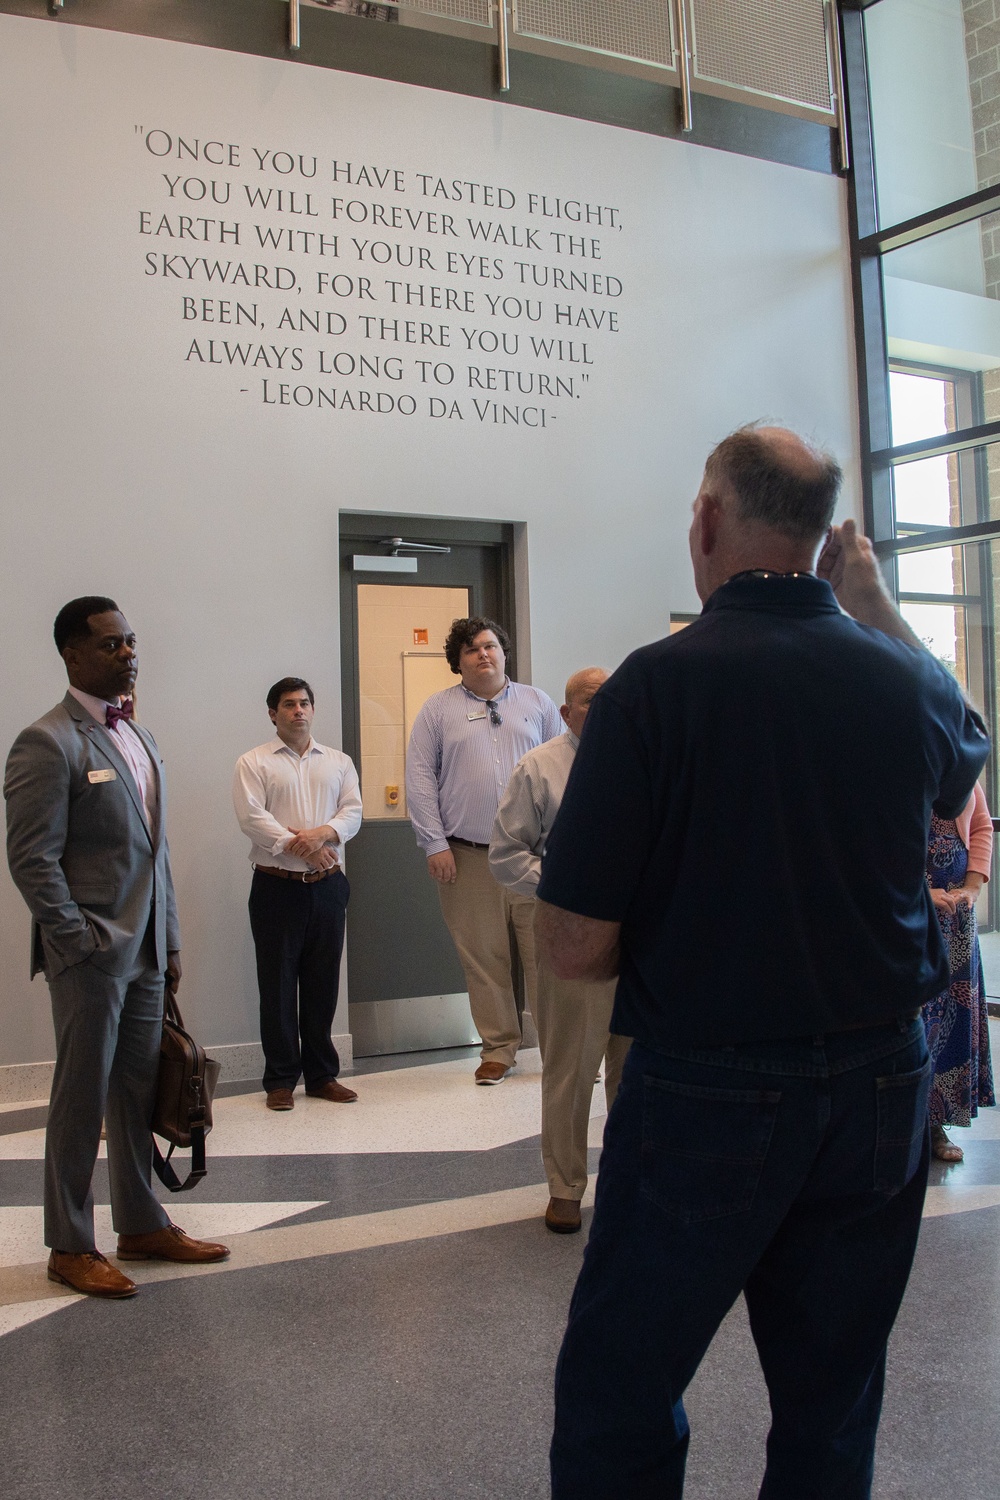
pixel 923 83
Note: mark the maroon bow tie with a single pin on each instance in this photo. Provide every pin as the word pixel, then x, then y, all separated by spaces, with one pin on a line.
pixel 113 716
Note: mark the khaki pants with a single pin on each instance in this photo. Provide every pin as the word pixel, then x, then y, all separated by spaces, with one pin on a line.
pixel 572 1016
pixel 484 920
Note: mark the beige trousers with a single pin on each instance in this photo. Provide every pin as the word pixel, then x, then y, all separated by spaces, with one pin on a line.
pixel 485 920
pixel 572 1016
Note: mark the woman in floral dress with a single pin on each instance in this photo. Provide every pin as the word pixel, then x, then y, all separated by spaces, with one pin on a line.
pixel 957 1021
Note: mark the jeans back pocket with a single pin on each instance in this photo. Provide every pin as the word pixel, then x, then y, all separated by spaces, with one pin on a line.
pixel 703 1149
pixel 901 1101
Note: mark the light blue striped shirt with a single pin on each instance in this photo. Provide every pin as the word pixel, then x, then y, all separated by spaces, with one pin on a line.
pixel 458 761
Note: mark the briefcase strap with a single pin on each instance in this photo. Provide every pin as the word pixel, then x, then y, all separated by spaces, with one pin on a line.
pixel 171 1010
pixel 166 1173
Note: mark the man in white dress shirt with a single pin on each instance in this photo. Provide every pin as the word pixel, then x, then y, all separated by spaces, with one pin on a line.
pixel 573 1015
pixel 465 742
pixel 298 803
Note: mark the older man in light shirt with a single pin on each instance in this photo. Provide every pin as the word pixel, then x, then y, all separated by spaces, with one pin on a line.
pixel 298 803
pixel 573 1016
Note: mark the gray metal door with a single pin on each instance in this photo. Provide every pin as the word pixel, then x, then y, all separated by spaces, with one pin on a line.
pixel 406 988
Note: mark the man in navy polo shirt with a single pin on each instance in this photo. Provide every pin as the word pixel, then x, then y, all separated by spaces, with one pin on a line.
pixel 753 872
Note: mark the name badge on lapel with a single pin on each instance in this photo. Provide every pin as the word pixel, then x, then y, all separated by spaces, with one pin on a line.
pixel 472 717
pixel 108 775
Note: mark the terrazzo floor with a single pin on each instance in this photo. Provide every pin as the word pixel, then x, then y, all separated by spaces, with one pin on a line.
pixel 388 1322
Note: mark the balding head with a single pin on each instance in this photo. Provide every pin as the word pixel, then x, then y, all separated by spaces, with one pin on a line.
pixel 580 690
pixel 766 501
pixel 775 478
pixel 585 682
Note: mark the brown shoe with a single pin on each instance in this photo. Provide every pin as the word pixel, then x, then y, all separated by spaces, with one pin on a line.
pixel 563 1215
pixel 280 1099
pixel 335 1092
pixel 493 1072
pixel 90 1273
pixel 169 1243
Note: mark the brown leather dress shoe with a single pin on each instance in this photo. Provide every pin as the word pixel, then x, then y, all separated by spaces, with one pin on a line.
pixel 563 1216
pixel 91 1274
pixel 493 1072
pixel 169 1243
pixel 335 1092
pixel 280 1099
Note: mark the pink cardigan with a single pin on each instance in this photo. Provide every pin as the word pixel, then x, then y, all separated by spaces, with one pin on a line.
pixel 975 828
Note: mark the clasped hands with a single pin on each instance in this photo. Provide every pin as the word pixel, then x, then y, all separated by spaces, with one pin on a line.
pixel 950 901
pixel 315 846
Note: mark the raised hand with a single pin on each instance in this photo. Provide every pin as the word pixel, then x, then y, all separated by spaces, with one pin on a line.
pixel 849 565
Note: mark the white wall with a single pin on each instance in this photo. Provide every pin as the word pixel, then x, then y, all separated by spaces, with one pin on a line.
pixel 213 517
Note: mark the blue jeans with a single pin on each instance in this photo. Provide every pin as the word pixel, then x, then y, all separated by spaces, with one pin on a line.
pixel 792 1171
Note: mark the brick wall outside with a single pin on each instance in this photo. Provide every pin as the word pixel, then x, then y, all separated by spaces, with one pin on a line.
pixel 982 48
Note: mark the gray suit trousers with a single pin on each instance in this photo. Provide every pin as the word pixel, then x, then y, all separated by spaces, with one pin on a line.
pixel 107 1055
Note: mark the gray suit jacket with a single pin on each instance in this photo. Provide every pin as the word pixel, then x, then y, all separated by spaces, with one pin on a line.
pixel 79 848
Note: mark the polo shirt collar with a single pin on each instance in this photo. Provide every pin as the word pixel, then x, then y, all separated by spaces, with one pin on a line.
pixel 799 593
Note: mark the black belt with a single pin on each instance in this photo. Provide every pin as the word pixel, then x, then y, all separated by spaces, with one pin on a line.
pixel 307 877
pixel 467 843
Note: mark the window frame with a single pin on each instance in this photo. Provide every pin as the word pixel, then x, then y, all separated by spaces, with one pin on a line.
pixel 870 242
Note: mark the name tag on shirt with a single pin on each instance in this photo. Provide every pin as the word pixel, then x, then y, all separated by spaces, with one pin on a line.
pixel 481 715
pixel 108 775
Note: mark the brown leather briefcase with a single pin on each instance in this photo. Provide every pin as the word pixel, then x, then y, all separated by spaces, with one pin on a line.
pixel 183 1111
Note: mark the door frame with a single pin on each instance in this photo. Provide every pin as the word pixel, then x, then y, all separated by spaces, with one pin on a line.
pixel 367 526
pixel 440 1018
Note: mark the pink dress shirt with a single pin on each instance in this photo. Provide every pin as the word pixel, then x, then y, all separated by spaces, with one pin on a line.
pixel 130 747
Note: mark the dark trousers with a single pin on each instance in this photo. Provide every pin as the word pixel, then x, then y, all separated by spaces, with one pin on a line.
pixel 794 1172
pixel 107 1056
pixel 298 932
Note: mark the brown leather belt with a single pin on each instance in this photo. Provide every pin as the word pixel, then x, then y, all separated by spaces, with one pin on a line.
pixel 307 877
pixel 467 843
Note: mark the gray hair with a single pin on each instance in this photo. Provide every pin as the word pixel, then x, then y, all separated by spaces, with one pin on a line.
pixel 792 495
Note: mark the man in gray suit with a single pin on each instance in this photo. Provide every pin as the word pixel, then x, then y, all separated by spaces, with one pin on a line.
pixel 86 844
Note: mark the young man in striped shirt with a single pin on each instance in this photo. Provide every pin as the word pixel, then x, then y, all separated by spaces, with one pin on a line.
pixel 465 743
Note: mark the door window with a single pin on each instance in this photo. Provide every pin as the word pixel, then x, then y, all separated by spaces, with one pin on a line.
pixel 401 662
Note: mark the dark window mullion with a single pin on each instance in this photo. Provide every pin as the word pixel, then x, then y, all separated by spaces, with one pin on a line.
pixel 957 600
pixel 869 302
pixel 936 221
pixel 937 447
pixel 929 541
